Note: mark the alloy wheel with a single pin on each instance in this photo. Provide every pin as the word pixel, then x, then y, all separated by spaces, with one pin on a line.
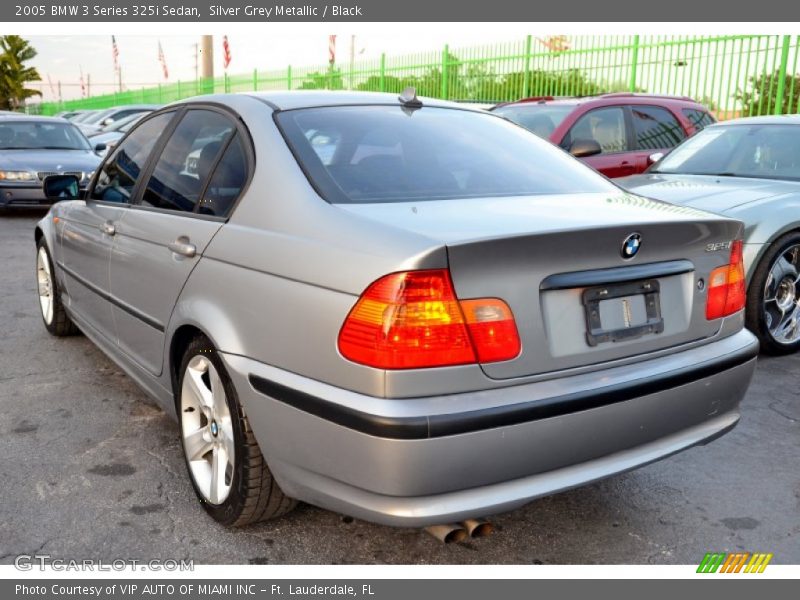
pixel 207 430
pixel 782 297
pixel 44 280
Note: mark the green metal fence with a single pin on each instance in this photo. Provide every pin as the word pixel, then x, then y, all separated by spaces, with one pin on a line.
pixel 733 75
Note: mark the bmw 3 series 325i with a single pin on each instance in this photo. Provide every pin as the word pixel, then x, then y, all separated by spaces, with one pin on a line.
pixel 402 310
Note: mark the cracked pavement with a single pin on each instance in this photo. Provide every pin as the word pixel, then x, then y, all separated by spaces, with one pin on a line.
pixel 93 469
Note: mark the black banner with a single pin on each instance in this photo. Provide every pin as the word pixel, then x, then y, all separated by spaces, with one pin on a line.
pixel 731 588
pixel 252 11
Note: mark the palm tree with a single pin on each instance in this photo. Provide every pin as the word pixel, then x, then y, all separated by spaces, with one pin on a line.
pixel 14 53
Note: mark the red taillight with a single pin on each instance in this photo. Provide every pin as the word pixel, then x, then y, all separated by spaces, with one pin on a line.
pixel 414 320
pixel 726 286
pixel 492 329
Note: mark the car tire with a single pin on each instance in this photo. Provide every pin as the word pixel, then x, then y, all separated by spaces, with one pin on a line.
pixel 54 315
pixel 774 286
pixel 213 426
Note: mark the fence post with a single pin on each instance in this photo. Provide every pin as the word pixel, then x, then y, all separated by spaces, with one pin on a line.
pixel 225 83
pixel 782 76
pixel 526 78
pixel 289 77
pixel 634 62
pixel 445 55
pixel 179 91
pixel 382 80
pixel 255 80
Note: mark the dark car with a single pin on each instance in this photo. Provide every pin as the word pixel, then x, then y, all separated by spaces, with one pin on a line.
pixel 613 133
pixel 31 148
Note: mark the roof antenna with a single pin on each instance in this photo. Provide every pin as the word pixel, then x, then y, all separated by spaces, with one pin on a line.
pixel 409 98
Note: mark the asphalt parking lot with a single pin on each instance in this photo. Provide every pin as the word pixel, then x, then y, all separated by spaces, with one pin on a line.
pixel 92 469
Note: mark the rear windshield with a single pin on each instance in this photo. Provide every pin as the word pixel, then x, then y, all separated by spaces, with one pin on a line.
pixel 371 154
pixel 541 119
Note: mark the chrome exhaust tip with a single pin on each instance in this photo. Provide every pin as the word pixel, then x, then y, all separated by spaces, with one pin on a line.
pixel 448 533
pixel 477 528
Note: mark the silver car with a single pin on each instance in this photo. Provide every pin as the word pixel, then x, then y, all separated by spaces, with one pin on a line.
pixel 406 311
pixel 746 169
pixel 31 148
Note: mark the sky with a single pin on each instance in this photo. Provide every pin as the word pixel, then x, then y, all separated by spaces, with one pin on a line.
pixel 62 58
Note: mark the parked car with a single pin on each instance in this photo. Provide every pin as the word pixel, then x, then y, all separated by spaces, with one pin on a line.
pixel 613 133
pixel 108 137
pixel 403 310
pixel 748 169
pixel 69 115
pixel 84 116
pixel 106 117
pixel 31 148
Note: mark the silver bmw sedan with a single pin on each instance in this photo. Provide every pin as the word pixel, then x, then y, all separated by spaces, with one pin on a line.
pixel 746 169
pixel 404 310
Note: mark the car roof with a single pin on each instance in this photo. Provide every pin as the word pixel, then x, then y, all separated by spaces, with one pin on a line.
pixel 763 120
pixel 130 106
pixel 289 100
pixel 605 99
pixel 4 118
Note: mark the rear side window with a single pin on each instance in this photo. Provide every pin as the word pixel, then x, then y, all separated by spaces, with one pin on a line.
pixel 698 118
pixel 227 182
pixel 655 128
pixel 187 160
pixel 121 171
pixel 373 154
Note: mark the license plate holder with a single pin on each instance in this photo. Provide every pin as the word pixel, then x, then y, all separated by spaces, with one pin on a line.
pixel 592 297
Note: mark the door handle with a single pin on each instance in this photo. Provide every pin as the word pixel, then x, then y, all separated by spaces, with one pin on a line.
pixel 183 247
pixel 108 228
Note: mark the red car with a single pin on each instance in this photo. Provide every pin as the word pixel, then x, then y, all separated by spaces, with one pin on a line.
pixel 614 133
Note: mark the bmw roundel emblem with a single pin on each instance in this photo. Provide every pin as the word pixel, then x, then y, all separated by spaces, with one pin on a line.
pixel 631 245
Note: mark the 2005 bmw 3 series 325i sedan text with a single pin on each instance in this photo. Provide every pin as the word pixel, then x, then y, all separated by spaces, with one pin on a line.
pixel 404 311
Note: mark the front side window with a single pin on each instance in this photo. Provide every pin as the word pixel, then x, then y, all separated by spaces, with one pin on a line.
pixel 655 128
pixel 606 126
pixel 378 154
pixel 119 174
pixel 187 160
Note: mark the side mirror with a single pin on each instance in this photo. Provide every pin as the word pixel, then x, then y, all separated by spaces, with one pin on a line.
pixel 61 187
pixel 107 121
pixel 584 147
pixel 100 147
pixel 654 158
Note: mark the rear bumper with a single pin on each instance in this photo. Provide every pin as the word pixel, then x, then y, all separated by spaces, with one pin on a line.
pixel 419 461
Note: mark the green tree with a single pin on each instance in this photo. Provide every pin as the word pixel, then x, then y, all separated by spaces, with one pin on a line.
pixel 762 97
pixel 14 53
pixel 329 80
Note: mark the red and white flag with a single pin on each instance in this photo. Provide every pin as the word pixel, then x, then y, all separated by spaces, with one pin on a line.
pixel 115 52
pixel 331 49
pixel 83 84
pixel 226 52
pixel 555 43
pixel 162 59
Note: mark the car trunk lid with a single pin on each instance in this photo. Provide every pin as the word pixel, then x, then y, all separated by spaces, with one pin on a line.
pixel 558 262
